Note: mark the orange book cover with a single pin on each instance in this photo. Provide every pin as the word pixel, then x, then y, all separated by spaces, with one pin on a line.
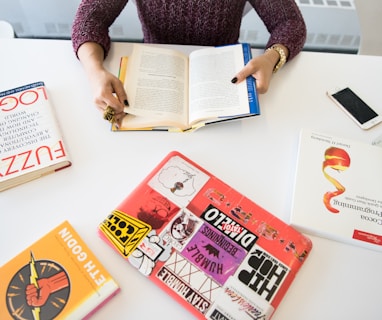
pixel 211 248
pixel 57 277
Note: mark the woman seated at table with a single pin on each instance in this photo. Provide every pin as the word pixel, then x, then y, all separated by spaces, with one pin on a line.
pixel 187 22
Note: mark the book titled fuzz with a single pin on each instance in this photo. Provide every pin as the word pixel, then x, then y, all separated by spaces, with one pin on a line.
pixel 31 143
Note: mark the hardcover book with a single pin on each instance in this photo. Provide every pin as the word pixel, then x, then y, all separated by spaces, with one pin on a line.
pixel 168 90
pixel 338 190
pixel 31 143
pixel 212 249
pixel 57 277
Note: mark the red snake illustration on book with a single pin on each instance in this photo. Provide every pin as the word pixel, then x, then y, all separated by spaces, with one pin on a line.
pixel 337 159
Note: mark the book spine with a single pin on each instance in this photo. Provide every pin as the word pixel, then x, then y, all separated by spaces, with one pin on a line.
pixel 251 82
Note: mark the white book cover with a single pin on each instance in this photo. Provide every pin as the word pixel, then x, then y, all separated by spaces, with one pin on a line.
pixel 31 141
pixel 338 190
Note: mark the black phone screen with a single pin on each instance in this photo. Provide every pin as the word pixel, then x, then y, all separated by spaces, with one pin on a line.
pixel 355 105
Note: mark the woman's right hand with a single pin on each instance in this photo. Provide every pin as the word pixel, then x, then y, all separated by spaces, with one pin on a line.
pixel 108 91
pixel 107 88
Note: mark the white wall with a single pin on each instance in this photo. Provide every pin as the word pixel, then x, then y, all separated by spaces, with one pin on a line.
pixel 332 24
pixel 53 19
pixel 369 14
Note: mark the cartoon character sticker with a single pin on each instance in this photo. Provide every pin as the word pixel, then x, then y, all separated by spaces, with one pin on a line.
pixel 38 291
pixel 155 248
pixel 156 211
pixel 149 251
pixel 181 229
pixel 179 181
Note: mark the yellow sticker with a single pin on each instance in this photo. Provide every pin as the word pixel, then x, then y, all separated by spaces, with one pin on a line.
pixel 124 232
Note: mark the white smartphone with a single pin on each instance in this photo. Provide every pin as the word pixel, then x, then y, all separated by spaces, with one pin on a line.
pixel 357 109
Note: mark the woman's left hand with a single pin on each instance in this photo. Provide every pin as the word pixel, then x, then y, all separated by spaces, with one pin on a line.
pixel 261 68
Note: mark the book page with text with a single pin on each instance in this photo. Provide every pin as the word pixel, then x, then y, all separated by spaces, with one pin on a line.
pixel 211 92
pixel 156 85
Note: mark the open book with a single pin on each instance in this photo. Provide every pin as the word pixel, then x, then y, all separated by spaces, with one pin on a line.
pixel 169 90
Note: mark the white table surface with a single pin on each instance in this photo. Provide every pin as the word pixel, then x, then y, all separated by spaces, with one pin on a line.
pixel 256 156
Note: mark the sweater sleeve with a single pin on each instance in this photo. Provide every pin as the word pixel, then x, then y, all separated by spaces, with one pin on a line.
pixel 284 22
pixel 92 21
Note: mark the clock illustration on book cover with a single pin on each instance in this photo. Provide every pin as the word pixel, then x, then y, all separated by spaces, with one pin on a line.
pixel 38 291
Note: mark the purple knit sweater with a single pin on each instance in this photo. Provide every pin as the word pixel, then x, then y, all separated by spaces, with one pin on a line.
pixel 193 22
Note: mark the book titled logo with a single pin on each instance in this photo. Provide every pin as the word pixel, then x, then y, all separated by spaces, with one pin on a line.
pixel 337 159
pixel 30 94
pixel 38 291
